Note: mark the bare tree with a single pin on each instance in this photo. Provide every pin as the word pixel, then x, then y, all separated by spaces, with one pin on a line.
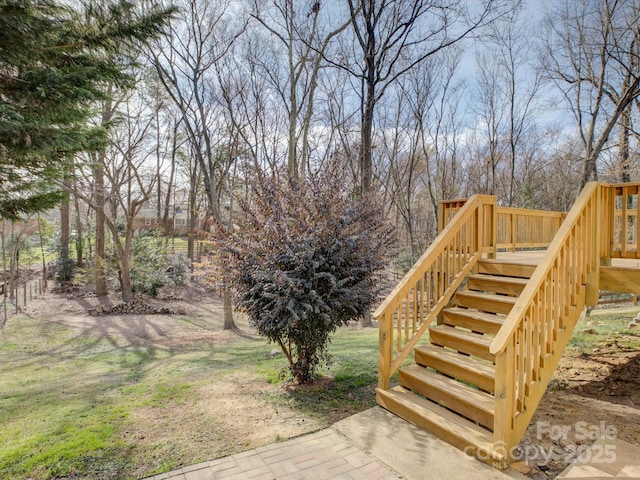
pixel 508 87
pixel 492 113
pixel 426 165
pixel 126 184
pixel 435 97
pixel 592 56
pixel 298 27
pixel 98 160
pixel 186 64
pixel 392 37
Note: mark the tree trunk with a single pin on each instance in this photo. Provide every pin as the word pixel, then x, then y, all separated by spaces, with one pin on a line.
pixel 100 259
pixel 623 148
pixel 366 157
pixel 292 160
pixel 366 154
pixel 44 261
pixel 4 278
pixel 64 262
pixel 79 234
pixel 229 324
pixel 11 273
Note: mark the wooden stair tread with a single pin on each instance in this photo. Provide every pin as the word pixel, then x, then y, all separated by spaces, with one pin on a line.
pixel 496 283
pixel 507 268
pixel 469 369
pixel 499 278
pixel 457 396
pixel 461 340
pixel 488 296
pixel 472 319
pixel 489 302
pixel 450 427
pixel 529 262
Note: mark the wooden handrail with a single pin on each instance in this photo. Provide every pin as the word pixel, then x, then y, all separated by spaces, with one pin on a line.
pixel 414 303
pixel 533 336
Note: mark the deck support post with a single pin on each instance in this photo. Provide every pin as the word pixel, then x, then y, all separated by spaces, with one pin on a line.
pixel 488 228
pixel 592 291
pixel 504 406
pixel 385 347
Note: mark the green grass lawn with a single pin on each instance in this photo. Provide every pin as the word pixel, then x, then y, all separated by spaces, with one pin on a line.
pixel 606 327
pixel 68 400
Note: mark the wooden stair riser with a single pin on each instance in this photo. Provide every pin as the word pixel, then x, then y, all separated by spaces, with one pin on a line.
pixel 456 396
pixel 496 267
pixel 503 285
pixel 475 321
pixel 485 302
pixel 467 369
pixel 465 342
pixel 453 429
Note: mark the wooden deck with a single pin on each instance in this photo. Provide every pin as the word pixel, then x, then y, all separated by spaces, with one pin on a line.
pixel 534 257
pixel 499 316
pixel 622 276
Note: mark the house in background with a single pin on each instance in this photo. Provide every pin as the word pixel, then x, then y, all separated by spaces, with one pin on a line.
pixel 177 222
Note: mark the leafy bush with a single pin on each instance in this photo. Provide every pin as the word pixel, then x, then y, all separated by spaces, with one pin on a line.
pixel 149 262
pixel 303 262
pixel 177 270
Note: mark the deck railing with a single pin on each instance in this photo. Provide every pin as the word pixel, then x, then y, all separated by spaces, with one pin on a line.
pixel 516 228
pixel 619 238
pixel 535 333
pixel 413 305
pixel 522 229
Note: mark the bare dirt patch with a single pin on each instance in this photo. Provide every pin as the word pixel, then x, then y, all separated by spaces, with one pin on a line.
pixel 592 394
pixel 224 418
pixel 201 307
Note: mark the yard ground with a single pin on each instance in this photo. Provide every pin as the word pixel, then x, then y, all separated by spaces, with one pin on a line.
pixel 595 391
pixel 106 397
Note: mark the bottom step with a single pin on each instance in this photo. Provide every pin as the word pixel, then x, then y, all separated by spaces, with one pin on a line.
pixel 453 429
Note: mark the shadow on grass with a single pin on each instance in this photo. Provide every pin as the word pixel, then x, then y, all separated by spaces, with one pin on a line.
pixel 69 391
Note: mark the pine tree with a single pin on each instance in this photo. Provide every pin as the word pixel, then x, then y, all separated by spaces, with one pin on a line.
pixel 54 63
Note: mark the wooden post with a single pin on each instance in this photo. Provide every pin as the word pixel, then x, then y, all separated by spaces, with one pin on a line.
pixel 592 292
pixel 514 231
pixel 504 390
pixel 608 207
pixel 24 293
pixel 494 226
pixel 385 345
pixel 489 232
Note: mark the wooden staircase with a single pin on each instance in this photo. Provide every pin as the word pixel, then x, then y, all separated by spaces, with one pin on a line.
pixel 450 388
pixel 497 327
